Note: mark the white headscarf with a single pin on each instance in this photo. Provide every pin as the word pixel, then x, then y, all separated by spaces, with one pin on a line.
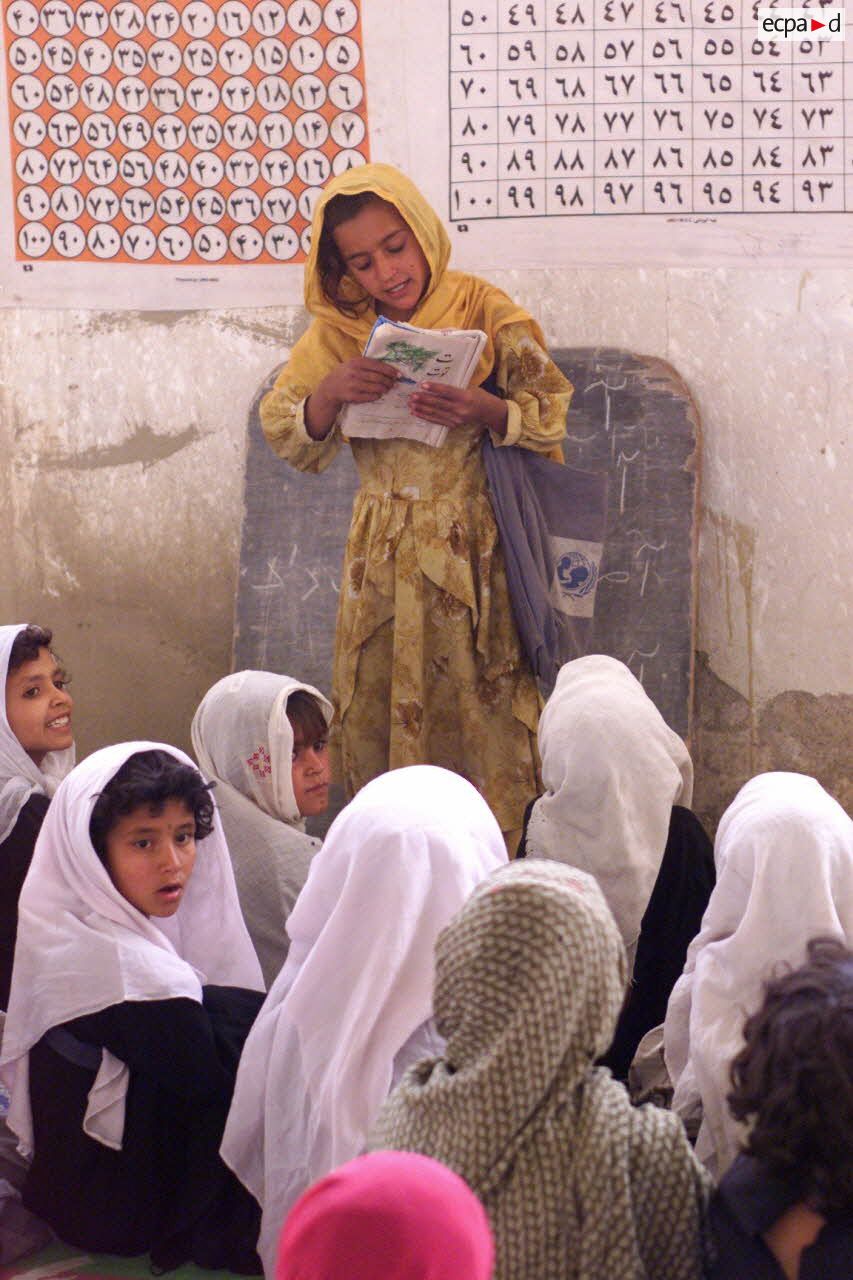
pixel 243 741
pixel 19 775
pixel 784 857
pixel 612 770
pixel 107 951
pixel 396 865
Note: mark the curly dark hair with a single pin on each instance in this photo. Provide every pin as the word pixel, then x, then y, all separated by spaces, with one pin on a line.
pixel 305 714
pixel 793 1078
pixel 150 778
pixel 330 264
pixel 26 646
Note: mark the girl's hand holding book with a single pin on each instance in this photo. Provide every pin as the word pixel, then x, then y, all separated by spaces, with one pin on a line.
pixel 356 381
pixel 459 406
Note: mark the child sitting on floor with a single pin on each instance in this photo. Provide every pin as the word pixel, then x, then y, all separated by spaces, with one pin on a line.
pixel 391 1215
pixel 784 856
pixel 785 1208
pixel 618 786
pixel 352 1007
pixel 262 739
pixel 577 1183
pixel 125 1024
pixel 36 751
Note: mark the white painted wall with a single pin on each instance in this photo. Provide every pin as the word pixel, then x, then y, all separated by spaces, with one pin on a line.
pixel 122 440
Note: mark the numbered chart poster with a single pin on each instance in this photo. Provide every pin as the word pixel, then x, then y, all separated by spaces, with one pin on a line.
pixel 656 113
pixel 192 135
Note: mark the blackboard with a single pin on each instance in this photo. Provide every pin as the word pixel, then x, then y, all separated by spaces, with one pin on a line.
pixel 631 416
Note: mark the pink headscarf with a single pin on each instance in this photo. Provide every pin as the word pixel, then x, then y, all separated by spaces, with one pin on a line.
pixel 390 1215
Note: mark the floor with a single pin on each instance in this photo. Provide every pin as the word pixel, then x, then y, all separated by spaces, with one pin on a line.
pixel 58 1262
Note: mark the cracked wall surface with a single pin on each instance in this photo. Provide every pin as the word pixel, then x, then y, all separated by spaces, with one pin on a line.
pixel 123 439
pixel 798 731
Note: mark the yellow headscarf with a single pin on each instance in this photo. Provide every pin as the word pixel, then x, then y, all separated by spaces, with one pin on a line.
pixel 453 299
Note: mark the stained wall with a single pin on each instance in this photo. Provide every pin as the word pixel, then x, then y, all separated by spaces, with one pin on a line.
pixel 121 448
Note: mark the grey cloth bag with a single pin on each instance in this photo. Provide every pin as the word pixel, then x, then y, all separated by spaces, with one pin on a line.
pixel 552 521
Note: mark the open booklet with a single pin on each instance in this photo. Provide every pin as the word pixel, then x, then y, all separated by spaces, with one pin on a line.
pixel 420 355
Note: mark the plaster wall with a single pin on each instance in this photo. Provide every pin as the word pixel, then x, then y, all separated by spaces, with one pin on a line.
pixel 121 452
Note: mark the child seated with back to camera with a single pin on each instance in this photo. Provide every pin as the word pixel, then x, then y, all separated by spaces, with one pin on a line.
pixel 785 1207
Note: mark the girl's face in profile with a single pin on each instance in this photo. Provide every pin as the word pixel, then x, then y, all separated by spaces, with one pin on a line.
pixel 38 706
pixel 150 856
pixel 381 253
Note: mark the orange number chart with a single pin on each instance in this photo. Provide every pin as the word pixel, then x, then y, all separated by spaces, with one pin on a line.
pixel 192 134
pixel 169 153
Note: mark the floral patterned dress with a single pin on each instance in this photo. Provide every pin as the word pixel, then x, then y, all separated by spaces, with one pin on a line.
pixel 428 667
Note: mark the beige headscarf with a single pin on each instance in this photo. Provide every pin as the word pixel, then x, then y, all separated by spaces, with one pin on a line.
pixel 243 741
pixel 576 1182
pixel 612 770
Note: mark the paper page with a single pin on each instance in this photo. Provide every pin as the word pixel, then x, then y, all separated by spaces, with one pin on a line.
pixel 420 355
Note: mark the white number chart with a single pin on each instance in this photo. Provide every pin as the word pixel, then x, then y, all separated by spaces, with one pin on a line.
pixel 578 108
pixel 195 134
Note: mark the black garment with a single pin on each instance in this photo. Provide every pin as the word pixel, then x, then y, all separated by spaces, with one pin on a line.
pixel 16 854
pixel 745 1205
pixel 167 1191
pixel 671 921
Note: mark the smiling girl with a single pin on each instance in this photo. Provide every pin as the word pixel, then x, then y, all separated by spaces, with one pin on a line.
pixel 36 751
pixel 428 666
pixel 126 1025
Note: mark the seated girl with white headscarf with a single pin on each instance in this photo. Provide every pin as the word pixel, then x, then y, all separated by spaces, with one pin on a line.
pixel 36 752
pixel 618 784
pixel 134 986
pixel 263 739
pixel 578 1184
pixel 352 1007
pixel 784 855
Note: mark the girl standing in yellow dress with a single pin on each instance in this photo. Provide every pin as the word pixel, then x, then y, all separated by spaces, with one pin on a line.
pixel 428 667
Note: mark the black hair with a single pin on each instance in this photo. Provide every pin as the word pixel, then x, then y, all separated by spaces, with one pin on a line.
pixel 150 778
pixel 793 1078
pixel 330 264
pixel 26 646
pixel 305 714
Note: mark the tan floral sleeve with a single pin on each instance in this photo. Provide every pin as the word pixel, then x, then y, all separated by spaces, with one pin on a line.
pixel 283 422
pixel 537 392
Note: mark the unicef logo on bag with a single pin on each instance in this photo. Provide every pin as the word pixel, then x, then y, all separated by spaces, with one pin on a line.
pixel 576 574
